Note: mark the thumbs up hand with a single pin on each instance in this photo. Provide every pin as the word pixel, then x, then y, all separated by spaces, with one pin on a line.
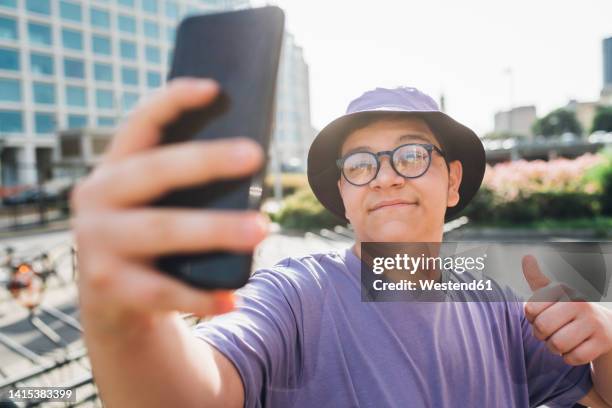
pixel 577 330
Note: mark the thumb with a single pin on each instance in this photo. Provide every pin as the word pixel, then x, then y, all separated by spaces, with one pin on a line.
pixel 534 276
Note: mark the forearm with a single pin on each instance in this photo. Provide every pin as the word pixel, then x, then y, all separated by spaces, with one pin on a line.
pixel 160 364
pixel 602 376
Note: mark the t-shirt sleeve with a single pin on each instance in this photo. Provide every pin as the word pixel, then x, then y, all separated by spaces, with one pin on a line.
pixel 551 380
pixel 261 337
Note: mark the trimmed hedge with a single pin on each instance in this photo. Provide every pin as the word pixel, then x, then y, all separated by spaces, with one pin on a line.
pixel 602 176
pixel 290 182
pixel 303 211
pixel 486 207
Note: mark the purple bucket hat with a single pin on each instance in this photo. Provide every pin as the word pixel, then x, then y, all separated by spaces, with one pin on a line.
pixel 458 142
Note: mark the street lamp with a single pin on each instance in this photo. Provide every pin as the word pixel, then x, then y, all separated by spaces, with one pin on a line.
pixel 508 71
pixel 514 151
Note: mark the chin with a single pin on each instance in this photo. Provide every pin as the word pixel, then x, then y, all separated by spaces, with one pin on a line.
pixel 394 231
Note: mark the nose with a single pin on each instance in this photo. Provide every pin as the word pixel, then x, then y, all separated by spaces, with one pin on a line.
pixel 387 177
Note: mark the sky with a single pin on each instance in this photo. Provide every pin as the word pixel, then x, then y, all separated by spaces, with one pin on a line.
pixel 483 55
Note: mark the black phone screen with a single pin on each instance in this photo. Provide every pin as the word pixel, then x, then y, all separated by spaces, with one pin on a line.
pixel 241 51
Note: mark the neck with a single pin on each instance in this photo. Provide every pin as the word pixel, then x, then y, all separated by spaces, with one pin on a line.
pixel 356 248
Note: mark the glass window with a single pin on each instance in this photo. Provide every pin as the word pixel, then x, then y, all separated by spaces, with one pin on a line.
pixel 77 121
pixel 41 64
pixel 100 18
pixel 44 93
pixel 10 90
pixel 126 3
pixel 72 39
pixel 74 68
pixel 129 100
pixel 8 3
pixel 129 76
pixel 8 28
pixel 39 6
pixel 103 72
pixel 9 59
pixel 104 99
pixel 152 54
pixel 105 121
pixel 151 29
pixel 128 49
pixel 40 34
pixel 101 45
pixel 150 6
pixel 44 122
pixel 76 96
pixel 170 33
pixel 192 10
pixel 11 122
pixel 70 11
pixel 127 24
pixel 172 10
pixel 153 79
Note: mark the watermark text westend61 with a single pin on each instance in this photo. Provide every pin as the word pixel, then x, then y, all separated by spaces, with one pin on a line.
pixel 477 271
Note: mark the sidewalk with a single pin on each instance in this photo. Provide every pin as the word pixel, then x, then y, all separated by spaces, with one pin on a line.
pixel 27 221
pixel 7 234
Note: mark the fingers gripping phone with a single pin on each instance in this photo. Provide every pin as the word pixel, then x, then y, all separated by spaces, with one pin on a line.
pixel 241 51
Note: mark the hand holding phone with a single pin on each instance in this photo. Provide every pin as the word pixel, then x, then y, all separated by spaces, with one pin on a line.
pixel 241 51
pixel 118 235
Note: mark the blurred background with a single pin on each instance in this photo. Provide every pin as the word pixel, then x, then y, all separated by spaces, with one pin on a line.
pixel 533 79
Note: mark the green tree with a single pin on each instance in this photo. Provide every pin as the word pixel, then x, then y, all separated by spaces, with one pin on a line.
pixel 556 123
pixel 602 119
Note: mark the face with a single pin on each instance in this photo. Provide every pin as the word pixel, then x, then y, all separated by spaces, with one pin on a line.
pixel 392 208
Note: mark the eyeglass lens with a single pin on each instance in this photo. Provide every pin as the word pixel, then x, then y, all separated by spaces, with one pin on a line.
pixel 409 161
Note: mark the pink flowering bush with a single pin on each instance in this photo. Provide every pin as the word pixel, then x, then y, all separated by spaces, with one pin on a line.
pixel 524 191
pixel 510 180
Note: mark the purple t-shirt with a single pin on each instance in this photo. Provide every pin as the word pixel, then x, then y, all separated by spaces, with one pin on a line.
pixel 301 337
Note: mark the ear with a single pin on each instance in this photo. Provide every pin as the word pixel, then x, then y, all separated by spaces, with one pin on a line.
pixel 454 181
pixel 340 186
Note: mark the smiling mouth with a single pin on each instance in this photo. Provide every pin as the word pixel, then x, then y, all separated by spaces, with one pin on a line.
pixel 392 205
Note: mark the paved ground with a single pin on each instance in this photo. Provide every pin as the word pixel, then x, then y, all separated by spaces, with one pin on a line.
pixel 25 217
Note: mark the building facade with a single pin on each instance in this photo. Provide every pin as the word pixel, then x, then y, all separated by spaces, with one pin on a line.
pixel 607 64
pixel 67 64
pixel 293 129
pixel 606 91
pixel 585 113
pixel 517 121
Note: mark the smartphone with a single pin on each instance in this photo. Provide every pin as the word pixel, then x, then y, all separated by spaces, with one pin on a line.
pixel 241 51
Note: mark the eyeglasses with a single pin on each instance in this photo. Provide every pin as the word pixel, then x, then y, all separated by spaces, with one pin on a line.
pixel 408 160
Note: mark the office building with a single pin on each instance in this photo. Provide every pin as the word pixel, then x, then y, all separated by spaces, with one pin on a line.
pixel 78 64
pixel 293 129
pixel 517 121
pixel 606 91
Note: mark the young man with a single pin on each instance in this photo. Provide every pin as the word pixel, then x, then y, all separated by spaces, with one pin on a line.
pixel 300 335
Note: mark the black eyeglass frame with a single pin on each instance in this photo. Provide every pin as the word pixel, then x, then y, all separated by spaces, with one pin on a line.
pixel 428 146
